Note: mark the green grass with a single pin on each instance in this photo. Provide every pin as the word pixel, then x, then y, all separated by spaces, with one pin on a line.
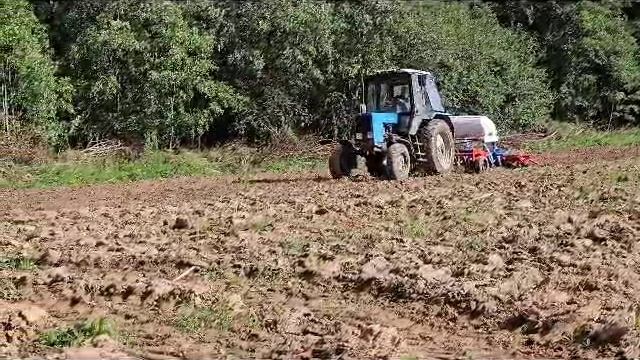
pixel 78 334
pixel 570 136
pixel 17 263
pixel 294 164
pixel 294 247
pixel 415 227
pixel 472 244
pixel 194 319
pixel 153 165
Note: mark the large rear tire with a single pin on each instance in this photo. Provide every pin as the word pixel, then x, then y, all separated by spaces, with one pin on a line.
pixel 398 162
pixel 439 146
pixel 342 161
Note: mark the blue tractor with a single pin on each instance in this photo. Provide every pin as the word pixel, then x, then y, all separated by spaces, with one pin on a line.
pixel 402 128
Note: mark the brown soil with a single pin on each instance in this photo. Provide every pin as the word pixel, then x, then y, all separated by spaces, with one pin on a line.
pixel 536 263
pixel 589 155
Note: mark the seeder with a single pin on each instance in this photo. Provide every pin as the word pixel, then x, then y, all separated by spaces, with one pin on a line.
pixel 477 149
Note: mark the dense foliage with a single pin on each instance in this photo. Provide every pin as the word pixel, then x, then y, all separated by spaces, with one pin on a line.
pixel 169 73
pixel 29 88
pixel 590 50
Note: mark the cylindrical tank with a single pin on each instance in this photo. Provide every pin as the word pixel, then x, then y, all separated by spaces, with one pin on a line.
pixel 474 127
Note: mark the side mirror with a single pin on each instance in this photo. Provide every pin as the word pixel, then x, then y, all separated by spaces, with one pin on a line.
pixel 363 108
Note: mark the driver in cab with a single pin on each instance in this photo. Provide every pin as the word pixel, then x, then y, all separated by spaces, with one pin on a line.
pixel 399 103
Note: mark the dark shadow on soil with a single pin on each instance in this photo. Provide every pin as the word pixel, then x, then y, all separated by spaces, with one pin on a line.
pixel 317 179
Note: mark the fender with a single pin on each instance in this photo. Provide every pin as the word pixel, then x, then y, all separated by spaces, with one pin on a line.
pixel 417 123
pixel 446 118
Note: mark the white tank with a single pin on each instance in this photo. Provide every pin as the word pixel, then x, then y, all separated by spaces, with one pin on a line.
pixel 474 127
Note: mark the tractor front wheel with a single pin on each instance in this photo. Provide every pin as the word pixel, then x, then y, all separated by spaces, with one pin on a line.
pixel 343 161
pixel 439 146
pixel 398 162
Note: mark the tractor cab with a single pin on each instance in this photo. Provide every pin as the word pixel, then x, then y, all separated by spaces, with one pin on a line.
pixel 418 87
pixel 402 126
pixel 398 99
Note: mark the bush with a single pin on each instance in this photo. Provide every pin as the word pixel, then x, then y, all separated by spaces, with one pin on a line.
pixel 603 68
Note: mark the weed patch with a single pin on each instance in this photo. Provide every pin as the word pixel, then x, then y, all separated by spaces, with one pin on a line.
pixel 293 164
pixel 294 247
pixel 415 228
pixel 195 319
pixel 78 334
pixel 9 291
pixel 17 263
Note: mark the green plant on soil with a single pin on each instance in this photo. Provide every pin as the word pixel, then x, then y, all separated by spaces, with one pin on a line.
pixel 415 227
pixel 78 334
pixel 9 291
pixel 253 321
pixel 261 225
pixel 473 244
pixel 194 319
pixel 294 246
pixel 17 263
pixel 213 274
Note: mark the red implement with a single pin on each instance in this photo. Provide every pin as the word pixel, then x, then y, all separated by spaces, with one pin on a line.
pixel 519 160
pixel 474 159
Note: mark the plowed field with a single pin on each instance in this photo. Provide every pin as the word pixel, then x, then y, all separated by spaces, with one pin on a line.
pixel 536 263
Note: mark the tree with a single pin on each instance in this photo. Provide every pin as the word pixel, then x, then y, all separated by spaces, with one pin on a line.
pixel 280 54
pixel 603 66
pixel 171 72
pixel 302 62
pixel 144 73
pixel 590 51
pixel 30 92
pixel 482 67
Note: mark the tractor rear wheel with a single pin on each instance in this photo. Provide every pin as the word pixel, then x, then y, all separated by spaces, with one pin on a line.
pixel 439 146
pixel 343 161
pixel 398 162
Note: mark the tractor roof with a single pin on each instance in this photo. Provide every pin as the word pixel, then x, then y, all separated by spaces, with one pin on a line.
pixel 400 71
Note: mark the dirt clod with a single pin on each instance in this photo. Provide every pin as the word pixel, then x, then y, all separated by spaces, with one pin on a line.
pixel 180 223
pixel 610 333
pixel 50 257
pixel 377 268
pixel 33 314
